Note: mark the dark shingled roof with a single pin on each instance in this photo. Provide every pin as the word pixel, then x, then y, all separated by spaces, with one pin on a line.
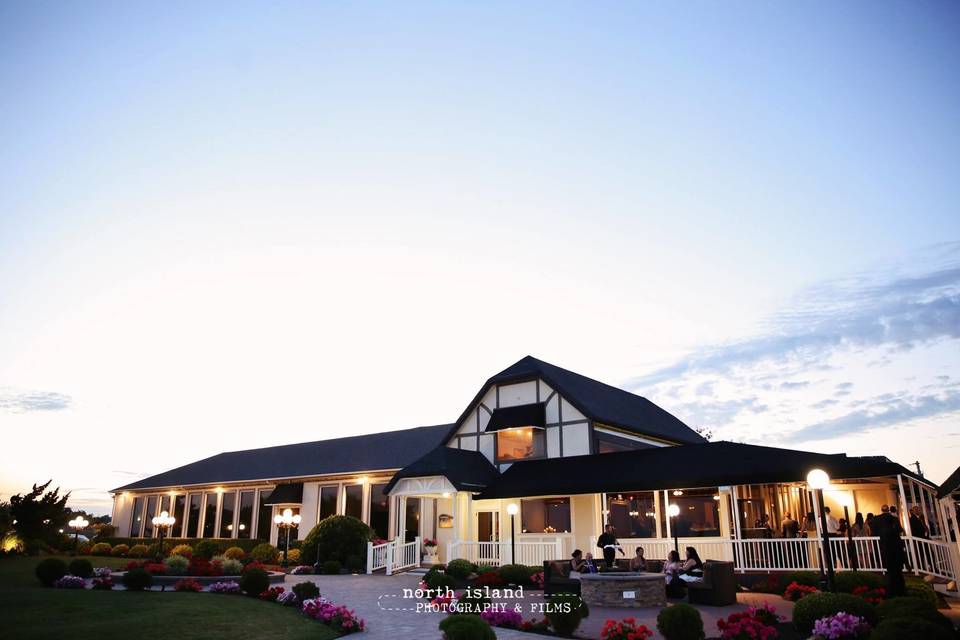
pixel 371 452
pixel 466 470
pixel 950 485
pixel 597 401
pixel 291 493
pixel 689 466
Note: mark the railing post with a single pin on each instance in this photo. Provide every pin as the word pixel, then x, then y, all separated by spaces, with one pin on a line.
pixel 417 557
pixel 558 546
pixel 369 557
pixel 449 551
pixel 390 548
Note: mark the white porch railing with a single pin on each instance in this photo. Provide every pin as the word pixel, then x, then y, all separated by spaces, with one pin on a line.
pixel 499 553
pixel 798 554
pixel 393 556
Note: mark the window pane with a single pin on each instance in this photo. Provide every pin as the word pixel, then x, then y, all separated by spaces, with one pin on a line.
pixel 193 522
pixel 245 519
pixel 328 502
pixel 379 510
pixel 520 444
pixel 148 517
pixel 226 514
pixel 264 518
pixel 354 500
pixel 210 516
pixel 632 515
pixel 546 515
pixel 699 513
pixel 179 502
pixel 136 519
pixel 164 505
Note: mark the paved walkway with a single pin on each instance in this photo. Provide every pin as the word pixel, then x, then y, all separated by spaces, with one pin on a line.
pixel 379 601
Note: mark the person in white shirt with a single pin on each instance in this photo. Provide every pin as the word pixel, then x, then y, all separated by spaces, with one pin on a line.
pixel 833 525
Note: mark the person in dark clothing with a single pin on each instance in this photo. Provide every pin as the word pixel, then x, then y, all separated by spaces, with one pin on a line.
pixel 608 543
pixel 918 528
pixel 789 528
pixel 887 528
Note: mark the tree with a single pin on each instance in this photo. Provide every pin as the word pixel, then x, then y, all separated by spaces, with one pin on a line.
pixel 39 515
pixel 706 432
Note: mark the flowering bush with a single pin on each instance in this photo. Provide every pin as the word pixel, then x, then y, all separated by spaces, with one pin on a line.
pixel 255 565
pixel 271 594
pixel 104 584
pixel 537 580
pixel 188 584
pixel 795 591
pixel 229 566
pixel 429 542
pixel 184 550
pixel 301 570
pixel 841 626
pixel 752 624
pixel 509 619
pixel 102 572
pixel 136 551
pixel 873 595
pixel 235 553
pixel 156 568
pixel 202 567
pixel 70 582
pixel 626 629
pixel 288 599
pixel 177 565
pixel 536 626
pixel 338 617
pixel 489 579
pixel 443 602
pixel 100 549
pixel 229 587
pixel 120 550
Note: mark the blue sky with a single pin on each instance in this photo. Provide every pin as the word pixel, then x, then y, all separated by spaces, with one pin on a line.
pixel 228 224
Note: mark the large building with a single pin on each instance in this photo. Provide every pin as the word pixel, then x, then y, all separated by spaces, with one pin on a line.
pixel 568 454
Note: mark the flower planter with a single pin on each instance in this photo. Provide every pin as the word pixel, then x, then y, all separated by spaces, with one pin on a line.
pixel 430 555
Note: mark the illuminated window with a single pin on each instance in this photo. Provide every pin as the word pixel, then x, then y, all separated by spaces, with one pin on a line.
pixel 632 515
pixel 520 444
pixel 545 515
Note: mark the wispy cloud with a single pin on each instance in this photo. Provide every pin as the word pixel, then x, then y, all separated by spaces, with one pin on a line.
pixel 14 401
pixel 884 412
pixel 873 309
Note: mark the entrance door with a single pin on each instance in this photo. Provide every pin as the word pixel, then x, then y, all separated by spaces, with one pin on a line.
pixel 488 535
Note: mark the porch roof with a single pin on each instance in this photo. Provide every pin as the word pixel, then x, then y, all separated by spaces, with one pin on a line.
pixel 291 493
pixel 466 470
pixel 689 466
pixel 950 485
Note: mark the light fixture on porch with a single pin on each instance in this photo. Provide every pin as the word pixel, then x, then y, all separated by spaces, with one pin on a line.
pixel 161 523
pixel 817 481
pixel 77 524
pixel 673 511
pixel 677 492
pixel 286 521
pixel 512 509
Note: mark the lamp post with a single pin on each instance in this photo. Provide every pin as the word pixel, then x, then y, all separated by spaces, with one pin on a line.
pixel 673 511
pixel 77 524
pixel 161 523
pixel 286 521
pixel 818 480
pixel 512 509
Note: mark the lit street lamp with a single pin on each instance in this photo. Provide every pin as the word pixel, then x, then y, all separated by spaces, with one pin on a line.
pixel 818 480
pixel 287 521
pixel 78 524
pixel 673 511
pixel 512 509
pixel 162 522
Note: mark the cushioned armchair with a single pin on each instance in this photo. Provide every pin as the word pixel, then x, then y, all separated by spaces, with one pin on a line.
pixel 719 585
pixel 556 578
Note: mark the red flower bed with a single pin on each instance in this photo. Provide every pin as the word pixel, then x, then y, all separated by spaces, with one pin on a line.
pixel 203 567
pixel 626 629
pixel 489 579
pixel 752 624
pixel 188 584
pixel 271 593
pixel 872 595
pixel 156 568
pixel 796 591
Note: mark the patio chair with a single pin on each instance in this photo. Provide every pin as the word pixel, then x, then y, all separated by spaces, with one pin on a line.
pixel 556 578
pixel 719 585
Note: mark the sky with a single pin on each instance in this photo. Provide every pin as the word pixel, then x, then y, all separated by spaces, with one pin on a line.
pixel 232 225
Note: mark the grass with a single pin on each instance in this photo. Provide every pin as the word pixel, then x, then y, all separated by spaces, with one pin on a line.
pixel 30 611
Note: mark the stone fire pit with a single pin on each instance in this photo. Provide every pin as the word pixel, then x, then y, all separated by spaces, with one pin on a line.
pixel 623 589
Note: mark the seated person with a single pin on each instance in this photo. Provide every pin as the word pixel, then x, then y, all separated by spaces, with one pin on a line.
pixel 693 566
pixel 638 562
pixel 589 566
pixel 577 563
pixel 672 569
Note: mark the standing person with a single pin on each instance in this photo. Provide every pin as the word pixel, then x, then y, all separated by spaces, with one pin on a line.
pixel 868 525
pixel 859 528
pixel 608 543
pixel 789 528
pixel 918 528
pixel 887 528
pixel 833 525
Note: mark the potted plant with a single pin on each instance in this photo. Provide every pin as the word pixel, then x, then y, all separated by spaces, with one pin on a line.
pixel 430 551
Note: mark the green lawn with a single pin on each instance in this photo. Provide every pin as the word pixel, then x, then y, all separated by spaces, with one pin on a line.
pixel 28 610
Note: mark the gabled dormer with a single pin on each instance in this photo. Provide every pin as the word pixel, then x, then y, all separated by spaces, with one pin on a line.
pixel 534 410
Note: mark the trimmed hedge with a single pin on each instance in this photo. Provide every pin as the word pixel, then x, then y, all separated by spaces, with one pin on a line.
pixel 80 567
pixel 306 590
pixel 137 579
pixel 913 608
pixel 680 622
pixel 331 567
pixel 264 552
pixel 50 570
pixel 206 549
pixel 337 538
pixel 847 581
pixel 811 608
pixel 564 623
pixel 466 628
pixel 223 543
pixel 905 628
pixel 253 582
pixel 100 549
pixel 119 550
pixel 917 588
pixel 459 569
pixel 512 573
